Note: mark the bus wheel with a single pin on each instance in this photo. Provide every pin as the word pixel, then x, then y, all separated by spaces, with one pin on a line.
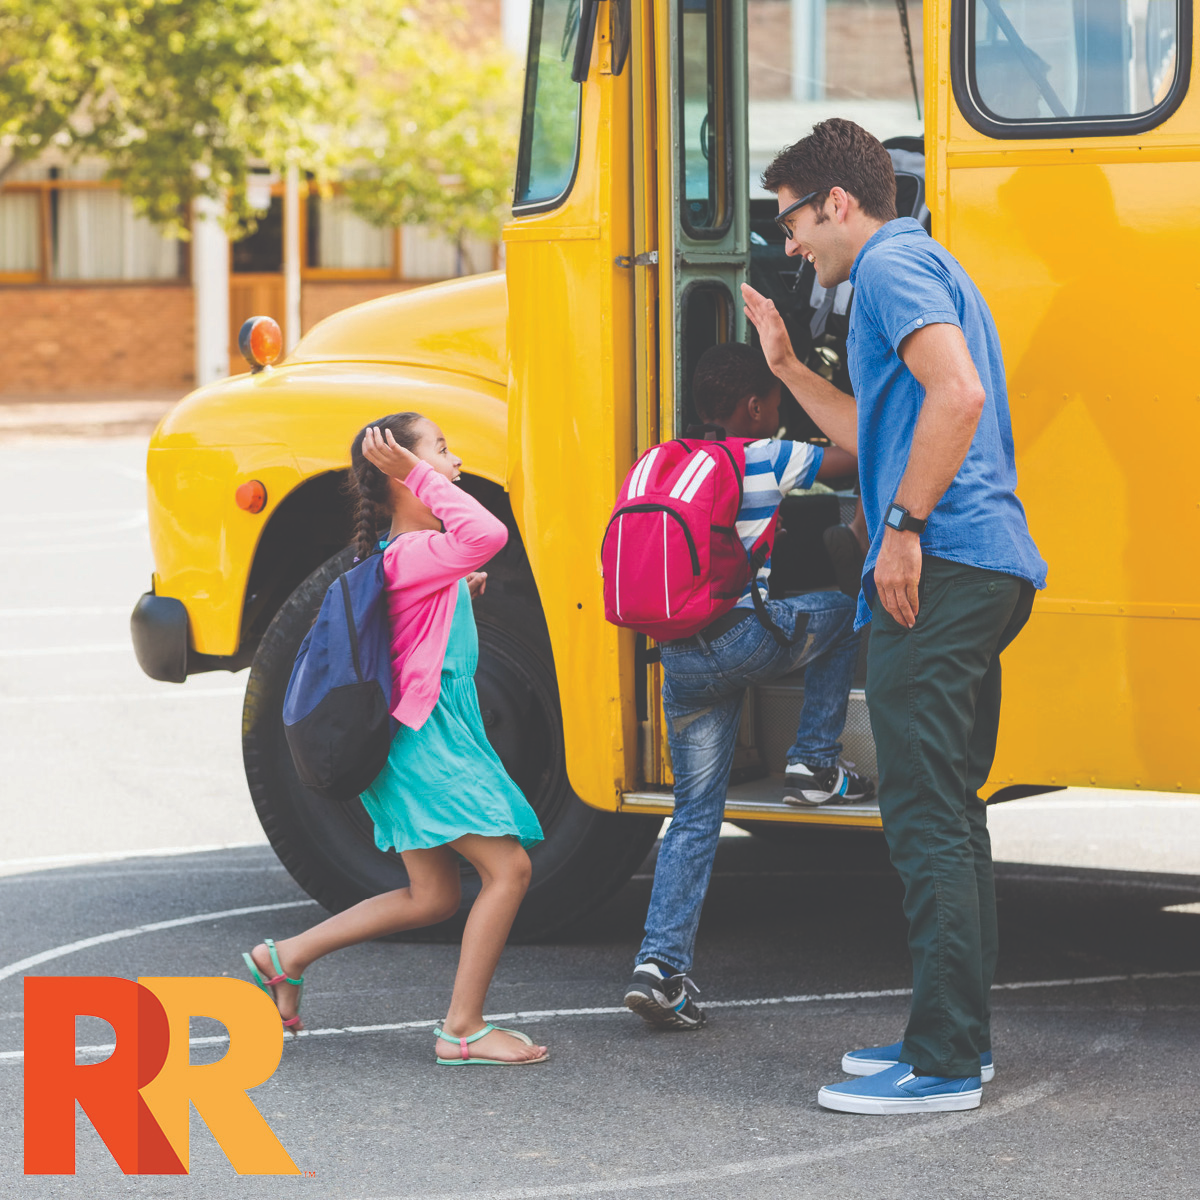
pixel 329 849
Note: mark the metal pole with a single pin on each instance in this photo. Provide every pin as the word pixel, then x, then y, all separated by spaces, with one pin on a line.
pixel 808 49
pixel 291 258
pixel 210 291
pixel 514 25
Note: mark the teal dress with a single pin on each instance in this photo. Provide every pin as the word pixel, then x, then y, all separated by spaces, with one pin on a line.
pixel 444 780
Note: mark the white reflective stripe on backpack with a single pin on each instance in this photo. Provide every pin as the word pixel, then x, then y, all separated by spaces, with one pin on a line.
pixel 666 559
pixel 618 570
pixel 641 477
pixel 697 460
pixel 700 476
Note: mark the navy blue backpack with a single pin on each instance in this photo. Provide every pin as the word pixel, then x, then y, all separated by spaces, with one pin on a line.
pixel 337 710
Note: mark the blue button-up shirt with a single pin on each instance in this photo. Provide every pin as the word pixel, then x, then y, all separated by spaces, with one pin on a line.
pixel 904 280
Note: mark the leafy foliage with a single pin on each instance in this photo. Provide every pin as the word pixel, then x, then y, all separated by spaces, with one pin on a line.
pixel 436 140
pixel 182 97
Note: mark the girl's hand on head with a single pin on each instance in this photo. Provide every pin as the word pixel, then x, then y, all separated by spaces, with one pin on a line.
pixel 477 583
pixel 381 448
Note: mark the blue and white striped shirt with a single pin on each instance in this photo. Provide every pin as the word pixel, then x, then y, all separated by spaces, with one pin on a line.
pixel 773 468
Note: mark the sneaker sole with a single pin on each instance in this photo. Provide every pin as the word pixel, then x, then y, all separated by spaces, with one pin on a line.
pixel 872 1066
pixel 816 799
pixel 655 1015
pixel 873 1106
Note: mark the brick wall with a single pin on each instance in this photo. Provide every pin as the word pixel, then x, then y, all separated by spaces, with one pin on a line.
pixel 319 299
pixel 96 339
pixel 864 49
pixel 125 341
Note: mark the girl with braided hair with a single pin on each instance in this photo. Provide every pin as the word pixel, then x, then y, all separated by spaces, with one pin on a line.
pixel 443 792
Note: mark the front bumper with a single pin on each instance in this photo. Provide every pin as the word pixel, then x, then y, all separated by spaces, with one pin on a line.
pixel 159 628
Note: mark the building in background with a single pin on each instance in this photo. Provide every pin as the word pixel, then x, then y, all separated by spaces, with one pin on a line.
pixel 95 300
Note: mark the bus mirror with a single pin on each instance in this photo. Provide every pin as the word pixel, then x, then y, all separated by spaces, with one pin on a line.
pixel 583 44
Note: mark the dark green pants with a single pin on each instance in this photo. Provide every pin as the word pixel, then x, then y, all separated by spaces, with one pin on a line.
pixel 934 696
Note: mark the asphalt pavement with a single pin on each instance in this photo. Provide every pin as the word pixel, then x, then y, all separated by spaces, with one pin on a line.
pixel 123 806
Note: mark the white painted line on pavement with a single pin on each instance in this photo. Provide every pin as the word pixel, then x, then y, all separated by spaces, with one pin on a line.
pixel 1138 884
pixel 129 518
pixel 666 1181
pixel 36 960
pixel 49 651
pixel 1165 800
pixel 176 693
pixel 801 874
pixel 40 518
pixel 1183 908
pixel 120 855
pixel 138 543
pixel 542 1014
pixel 95 611
pixel 797 875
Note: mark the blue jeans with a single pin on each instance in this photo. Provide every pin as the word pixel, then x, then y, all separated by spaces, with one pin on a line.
pixel 704 686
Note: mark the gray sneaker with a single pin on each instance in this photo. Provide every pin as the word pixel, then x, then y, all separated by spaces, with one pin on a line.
pixel 809 787
pixel 663 1001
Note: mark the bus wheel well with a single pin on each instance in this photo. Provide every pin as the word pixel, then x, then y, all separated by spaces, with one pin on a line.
pixel 315 521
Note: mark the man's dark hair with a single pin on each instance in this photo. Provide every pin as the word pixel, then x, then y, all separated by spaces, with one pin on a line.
pixel 838 153
pixel 725 375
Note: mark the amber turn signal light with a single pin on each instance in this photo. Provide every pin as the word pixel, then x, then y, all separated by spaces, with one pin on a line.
pixel 251 496
pixel 261 342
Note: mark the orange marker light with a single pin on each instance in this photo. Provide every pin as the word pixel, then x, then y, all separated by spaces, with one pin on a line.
pixel 252 496
pixel 261 342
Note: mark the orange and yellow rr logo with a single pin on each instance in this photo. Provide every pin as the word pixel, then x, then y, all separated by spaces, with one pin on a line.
pixel 138 1098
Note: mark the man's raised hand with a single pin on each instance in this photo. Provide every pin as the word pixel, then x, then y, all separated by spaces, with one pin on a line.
pixel 764 316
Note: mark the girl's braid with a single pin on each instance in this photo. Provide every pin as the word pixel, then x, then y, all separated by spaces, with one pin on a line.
pixel 368 486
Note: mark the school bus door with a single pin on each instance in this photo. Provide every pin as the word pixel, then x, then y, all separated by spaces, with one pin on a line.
pixel 571 423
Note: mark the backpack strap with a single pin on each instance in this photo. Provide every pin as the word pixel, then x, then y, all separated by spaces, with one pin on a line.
pixel 351 630
pixel 757 559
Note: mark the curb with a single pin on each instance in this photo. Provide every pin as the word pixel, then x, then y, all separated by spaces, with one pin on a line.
pixel 26 420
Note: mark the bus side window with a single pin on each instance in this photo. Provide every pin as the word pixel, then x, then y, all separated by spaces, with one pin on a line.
pixel 706 319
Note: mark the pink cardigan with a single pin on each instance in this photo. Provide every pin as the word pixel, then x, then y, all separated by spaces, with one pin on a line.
pixel 422 571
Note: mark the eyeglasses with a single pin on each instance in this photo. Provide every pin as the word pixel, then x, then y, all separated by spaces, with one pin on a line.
pixel 791 208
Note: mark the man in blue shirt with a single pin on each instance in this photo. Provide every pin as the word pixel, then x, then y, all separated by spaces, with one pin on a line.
pixel 947 584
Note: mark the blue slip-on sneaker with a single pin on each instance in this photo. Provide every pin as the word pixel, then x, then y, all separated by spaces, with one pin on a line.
pixel 898 1090
pixel 874 1059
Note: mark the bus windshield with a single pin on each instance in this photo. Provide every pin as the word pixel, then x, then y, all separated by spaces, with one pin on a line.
pixel 550 116
pixel 813 59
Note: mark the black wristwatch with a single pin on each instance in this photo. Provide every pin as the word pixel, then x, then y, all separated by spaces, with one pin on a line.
pixel 900 519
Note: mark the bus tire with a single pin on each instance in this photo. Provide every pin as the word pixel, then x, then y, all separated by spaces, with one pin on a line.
pixel 329 849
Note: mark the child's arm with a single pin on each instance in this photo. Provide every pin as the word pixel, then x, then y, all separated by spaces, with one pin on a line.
pixel 837 463
pixel 433 560
pixel 795 464
pixel 472 535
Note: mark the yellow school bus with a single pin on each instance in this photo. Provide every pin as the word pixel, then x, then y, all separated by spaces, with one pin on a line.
pixel 1052 145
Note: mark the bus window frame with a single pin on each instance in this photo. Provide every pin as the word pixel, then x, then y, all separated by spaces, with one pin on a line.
pixel 979 117
pixel 720 34
pixel 525 144
pixel 720 289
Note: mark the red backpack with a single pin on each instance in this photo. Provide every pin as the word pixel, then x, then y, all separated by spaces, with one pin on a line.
pixel 671 556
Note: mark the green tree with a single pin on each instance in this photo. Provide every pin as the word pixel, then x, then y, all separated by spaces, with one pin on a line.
pixel 179 97
pixel 182 97
pixel 435 140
